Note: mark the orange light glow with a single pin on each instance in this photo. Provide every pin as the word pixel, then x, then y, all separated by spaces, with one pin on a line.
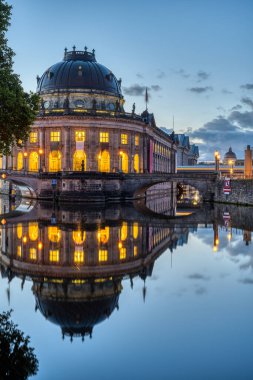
pixel 40 245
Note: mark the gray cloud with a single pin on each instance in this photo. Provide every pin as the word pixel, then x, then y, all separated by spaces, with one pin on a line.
pixel 200 90
pixel 161 74
pixel 198 276
pixel 243 119
pixel 247 101
pixel 247 86
pixel 139 75
pixel 236 108
pixel 135 90
pixel 248 281
pixel 156 87
pixel 138 90
pixel 226 92
pixel 202 75
pixel 182 73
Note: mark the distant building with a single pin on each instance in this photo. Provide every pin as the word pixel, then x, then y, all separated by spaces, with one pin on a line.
pixel 229 157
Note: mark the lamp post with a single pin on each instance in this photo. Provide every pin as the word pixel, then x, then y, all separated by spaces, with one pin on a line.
pixel 40 154
pixel 25 158
pixel 217 160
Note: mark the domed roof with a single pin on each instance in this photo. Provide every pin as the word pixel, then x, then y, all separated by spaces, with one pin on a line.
pixel 230 155
pixel 77 318
pixel 79 70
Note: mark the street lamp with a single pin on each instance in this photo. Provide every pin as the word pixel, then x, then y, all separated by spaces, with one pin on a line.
pixel 40 154
pixel 25 157
pixel 217 160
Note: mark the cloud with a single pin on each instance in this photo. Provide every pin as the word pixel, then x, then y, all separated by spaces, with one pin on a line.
pixel 202 75
pixel 200 290
pixel 138 90
pixel 247 101
pixel 161 74
pixel 135 90
pixel 226 92
pixel 200 90
pixel 139 75
pixel 248 281
pixel 198 276
pixel 236 108
pixel 243 119
pixel 182 73
pixel 156 87
pixel 247 86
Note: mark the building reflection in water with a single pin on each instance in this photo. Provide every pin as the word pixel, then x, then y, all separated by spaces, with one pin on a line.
pixel 77 259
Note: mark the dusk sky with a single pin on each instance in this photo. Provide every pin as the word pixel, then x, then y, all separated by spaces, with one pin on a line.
pixel 195 57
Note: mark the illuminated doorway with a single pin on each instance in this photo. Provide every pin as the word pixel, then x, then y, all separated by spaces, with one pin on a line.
pixel 55 161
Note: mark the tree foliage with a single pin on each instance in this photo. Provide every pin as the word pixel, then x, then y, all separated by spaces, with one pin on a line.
pixel 17 359
pixel 18 109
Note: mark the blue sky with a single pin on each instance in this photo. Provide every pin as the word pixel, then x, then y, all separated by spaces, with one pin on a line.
pixel 195 56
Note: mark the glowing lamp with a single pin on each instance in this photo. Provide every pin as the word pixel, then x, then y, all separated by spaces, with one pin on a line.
pixel 40 245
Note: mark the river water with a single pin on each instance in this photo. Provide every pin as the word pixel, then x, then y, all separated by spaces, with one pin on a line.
pixel 124 292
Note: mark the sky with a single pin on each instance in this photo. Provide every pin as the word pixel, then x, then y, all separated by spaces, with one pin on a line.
pixel 194 56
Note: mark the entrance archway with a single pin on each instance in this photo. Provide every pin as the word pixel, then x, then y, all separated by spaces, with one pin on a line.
pixel 104 161
pixel 33 162
pixel 78 157
pixel 55 161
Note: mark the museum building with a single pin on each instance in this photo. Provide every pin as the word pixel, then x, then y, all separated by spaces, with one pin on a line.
pixel 82 125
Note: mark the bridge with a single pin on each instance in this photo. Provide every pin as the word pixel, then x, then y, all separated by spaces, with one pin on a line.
pixel 80 186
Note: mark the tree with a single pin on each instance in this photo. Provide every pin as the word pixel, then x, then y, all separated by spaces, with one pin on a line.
pixel 17 359
pixel 18 109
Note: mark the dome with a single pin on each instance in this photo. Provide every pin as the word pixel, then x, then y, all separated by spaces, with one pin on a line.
pixel 229 156
pixel 77 318
pixel 79 71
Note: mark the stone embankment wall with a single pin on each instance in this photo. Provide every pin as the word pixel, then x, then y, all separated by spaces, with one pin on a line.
pixel 241 192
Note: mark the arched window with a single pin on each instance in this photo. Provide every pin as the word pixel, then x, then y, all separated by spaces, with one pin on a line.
pixel 19 231
pixel 103 235
pixel 123 231
pixel 54 234
pixel 33 231
pixel 1 162
pixel 135 230
pixel 78 157
pixel 33 162
pixel 79 236
pixel 104 161
pixel 20 161
pixel 55 161
pixel 136 163
pixel 124 162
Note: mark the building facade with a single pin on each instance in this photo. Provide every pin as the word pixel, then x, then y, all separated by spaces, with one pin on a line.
pixel 82 126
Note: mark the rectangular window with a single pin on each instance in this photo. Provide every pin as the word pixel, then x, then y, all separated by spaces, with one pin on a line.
pixel 124 138
pixel 122 253
pixel 54 255
pixel 102 255
pixel 136 140
pixel 33 254
pixel 55 136
pixel 33 137
pixel 104 137
pixel 80 136
pixel 19 251
pixel 79 256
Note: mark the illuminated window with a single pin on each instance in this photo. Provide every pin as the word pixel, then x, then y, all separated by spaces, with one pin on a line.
pixel 33 231
pixel 104 137
pixel 33 254
pixel 136 140
pixel 135 250
pixel 55 136
pixel 124 162
pixel 124 138
pixel 54 255
pixel 103 235
pixel 136 163
pixel 1 162
pixel 104 161
pixel 33 137
pixel 122 253
pixel 54 234
pixel 19 251
pixel 20 161
pixel 19 230
pixel 33 162
pixel 135 230
pixel 79 136
pixel 55 161
pixel 123 231
pixel 102 255
pixel 78 256
pixel 79 236
pixel 79 160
